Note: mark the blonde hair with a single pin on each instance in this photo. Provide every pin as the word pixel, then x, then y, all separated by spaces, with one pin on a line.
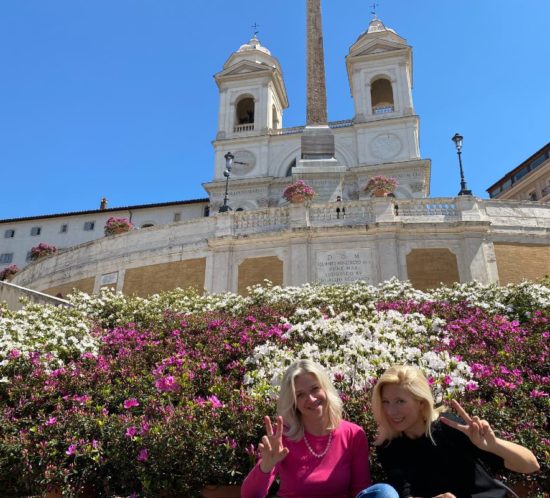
pixel 286 405
pixel 415 382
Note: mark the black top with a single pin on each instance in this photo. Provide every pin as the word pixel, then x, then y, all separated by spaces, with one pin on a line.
pixel 417 467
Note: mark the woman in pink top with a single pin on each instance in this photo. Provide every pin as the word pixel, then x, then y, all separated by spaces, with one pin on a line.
pixel 311 449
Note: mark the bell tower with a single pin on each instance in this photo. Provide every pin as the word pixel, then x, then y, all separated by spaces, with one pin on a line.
pixel 379 68
pixel 252 93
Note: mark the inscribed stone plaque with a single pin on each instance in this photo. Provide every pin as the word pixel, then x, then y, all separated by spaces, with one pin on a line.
pixel 108 279
pixel 343 267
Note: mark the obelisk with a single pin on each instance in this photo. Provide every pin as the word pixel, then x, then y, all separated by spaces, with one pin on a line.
pixel 318 166
pixel 317 139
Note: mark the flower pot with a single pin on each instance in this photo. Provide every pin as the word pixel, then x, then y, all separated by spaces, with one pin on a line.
pixel 116 231
pixel 297 198
pixel 380 193
pixel 212 491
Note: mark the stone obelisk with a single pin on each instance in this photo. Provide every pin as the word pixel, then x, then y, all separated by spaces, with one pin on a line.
pixel 318 165
pixel 317 139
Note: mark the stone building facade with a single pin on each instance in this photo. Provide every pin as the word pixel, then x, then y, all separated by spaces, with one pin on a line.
pixel 344 235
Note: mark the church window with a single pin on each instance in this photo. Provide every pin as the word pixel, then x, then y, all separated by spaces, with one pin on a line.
pixel 381 94
pixel 177 216
pixel 274 118
pixel 532 196
pixel 6 258
pixel 9 234
pixel 89 225
pixel 245 111
pixel 206 211
pixel 64 228
pixel 36 231
pixel 290 166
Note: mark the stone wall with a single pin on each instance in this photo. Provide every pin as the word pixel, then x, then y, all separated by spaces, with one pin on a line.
pixel 517 262
pixel 428 268
pixel 84 285
pixel 256 270
pixel 151 279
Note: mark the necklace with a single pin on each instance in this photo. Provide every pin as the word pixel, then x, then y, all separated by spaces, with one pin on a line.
pixel 318 455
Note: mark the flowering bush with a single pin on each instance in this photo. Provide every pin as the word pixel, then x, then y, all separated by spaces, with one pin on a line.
pixel 298 191
pixel 42 250
pixel 384 183
pixel 117 225
pixel 161 396
pixel 8 272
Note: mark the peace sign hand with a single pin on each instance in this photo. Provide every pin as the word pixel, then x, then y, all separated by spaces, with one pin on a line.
pixel 271 447
pixel 479 431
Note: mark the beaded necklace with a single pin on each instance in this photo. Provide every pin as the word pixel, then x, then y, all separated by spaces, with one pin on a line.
pixel 324 452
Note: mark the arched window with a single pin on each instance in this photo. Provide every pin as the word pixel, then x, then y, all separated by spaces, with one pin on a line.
pixel 245 111
pixel 290 166
pixel 274 118
pixel 381 95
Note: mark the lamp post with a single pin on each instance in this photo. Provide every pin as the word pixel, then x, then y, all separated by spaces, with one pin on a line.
pixel 227 173
pixel 457 139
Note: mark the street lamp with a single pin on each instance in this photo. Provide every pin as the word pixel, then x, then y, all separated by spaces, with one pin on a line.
pixel 457 139
pixel 227 173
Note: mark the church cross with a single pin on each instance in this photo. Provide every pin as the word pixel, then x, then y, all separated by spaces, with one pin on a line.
pixel 373 7
pixel 255 27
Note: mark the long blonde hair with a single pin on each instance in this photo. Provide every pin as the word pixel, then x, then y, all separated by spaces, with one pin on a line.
pixel 415 382
pixel 286 405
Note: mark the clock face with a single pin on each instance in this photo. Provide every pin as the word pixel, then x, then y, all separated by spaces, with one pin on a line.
pixel 386 146
pixel 243 163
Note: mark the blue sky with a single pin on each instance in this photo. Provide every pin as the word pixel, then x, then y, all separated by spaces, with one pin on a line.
pixel 116 98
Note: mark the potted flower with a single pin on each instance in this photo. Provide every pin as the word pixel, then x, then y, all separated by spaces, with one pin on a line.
pixel 298 192
pixel 8 272
pixel 380 185
pixel 117 225
pixel 42 250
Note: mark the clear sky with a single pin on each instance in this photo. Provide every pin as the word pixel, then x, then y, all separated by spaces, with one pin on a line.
pixel 116 98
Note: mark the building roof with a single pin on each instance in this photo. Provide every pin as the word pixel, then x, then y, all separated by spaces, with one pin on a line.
pixel 543 151
pixel 107 210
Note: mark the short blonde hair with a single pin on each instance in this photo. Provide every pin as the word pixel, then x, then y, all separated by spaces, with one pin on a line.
pixel 415 382
pixel 286 405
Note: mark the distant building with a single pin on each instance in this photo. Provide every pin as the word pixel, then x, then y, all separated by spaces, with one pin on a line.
pixel 64 230
pixel 530 181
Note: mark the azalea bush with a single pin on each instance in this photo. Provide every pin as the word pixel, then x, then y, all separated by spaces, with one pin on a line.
pixel 298 191
pixel 42 250
pixel 380 182
pixel 8 272
pixel 160 396
pixel 117 225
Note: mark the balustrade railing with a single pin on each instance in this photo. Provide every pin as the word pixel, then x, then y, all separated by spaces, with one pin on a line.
pixel 429 207
pixel 261 220
pixel 299 129
pixel 341 213
pixel 243 127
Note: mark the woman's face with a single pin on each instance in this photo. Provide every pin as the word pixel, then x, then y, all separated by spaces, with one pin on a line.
pixel 311 399
pixel 402 410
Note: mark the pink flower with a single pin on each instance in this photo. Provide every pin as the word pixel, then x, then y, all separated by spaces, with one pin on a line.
pixel 167 384
pixel 129 403
pixel 538 394
pixel 51 421
pixel 14 353
pixel 216 403
pixel 131 431
pixel 71 450
pixel 143 455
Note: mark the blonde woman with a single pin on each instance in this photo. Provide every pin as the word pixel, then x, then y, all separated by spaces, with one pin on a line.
pixel 311 449
pixel 426 454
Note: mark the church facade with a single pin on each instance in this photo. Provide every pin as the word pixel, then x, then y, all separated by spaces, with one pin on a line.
pixel 344 234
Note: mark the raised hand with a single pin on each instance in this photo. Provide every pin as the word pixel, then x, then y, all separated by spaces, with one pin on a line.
pixel 271 447
pixel 479 431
